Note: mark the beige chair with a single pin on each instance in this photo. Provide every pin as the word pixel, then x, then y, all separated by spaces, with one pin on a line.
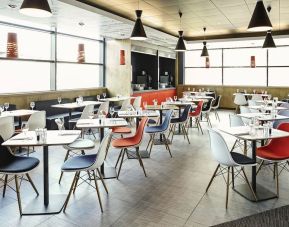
pixel 137 103
pixel 240 100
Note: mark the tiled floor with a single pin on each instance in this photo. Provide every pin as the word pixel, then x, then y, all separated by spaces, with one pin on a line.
pixel 171 195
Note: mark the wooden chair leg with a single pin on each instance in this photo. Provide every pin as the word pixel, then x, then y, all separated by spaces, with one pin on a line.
pixel 212 178
pixel 97 190
pixel 102 181
pixel 140 162
pixel 120 154
pixel 277 178
pixel 149 142
pixel 65 158
pixel 233 178
pixel 76 182
pixel 123 153
pixel 247 181
pixel 167 145
pixel 18 194
pixel 186 134
pixel 70 191
pixel 152 143
pixel 32 184
pixel 5 184
pixel 260 166
pixel 227 189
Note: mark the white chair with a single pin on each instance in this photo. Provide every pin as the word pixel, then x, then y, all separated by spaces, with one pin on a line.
pixel 7 127
pixel 216 105
pixel 125 105
pixel 240 100
pixel 228 161
pixel 137 103
pixel 252 103
pixel 88 163
pixel 37 120
pixel 244 110
pixel 72 149
pixel 86 112
pixel 257 97
pixel 103 109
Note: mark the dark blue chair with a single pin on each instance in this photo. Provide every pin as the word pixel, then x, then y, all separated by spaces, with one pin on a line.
pixel 160 129
pixel 182 122
pixel 11 165
pixel 90 164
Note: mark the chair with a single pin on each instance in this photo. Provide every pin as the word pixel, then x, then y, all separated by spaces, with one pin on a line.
pixel 257 97
pixel 286 105
pixel 228 161
pixel 15 166
pixel 87 111
pixel 160 129
pixel 216 105
pixel 278 122
pixel 72 149
pixel 103 109
pixel 240 100
pixel 276 151
pixel 125 105
pixel 90 164
pixel 252 103
pixel 130 142
pixel 197 115
pixel 137 103
pixel 206 111
pixel 182 122
pixel 7 127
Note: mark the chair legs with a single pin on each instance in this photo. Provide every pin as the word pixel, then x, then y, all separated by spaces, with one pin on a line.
pixel 247 181
pixel 227 188
pixel 140 162
pixel 212 178
pixel 167 145
pixel 97 190
pixel 5 184
pixel 61 174
pixel 277 178
pixel 18 195
pixel 70 191
pixel 32 184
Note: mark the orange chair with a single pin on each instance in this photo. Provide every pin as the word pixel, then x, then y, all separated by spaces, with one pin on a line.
pixel 130 142
pixel 197 115
pixel 276 151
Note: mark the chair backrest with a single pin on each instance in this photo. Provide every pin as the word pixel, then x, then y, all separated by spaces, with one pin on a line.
pixel 37 120
pixel 166 122
pixel 185 115
pixel 5 155
pixel 220 149
pixel 198 110
pixel 87 110
pixel 278 122
pixel 59 125
pixel 103 108
pixel 207 107
pixel 137 103
pixel 244 109
pixel 125 105
pixel 286 105
pixel 137 138
pixel 280 144
pixel 235 120
pixel 102 150
pixel 6 127
pixel 257 97
pixel 217 101
pixel 240 99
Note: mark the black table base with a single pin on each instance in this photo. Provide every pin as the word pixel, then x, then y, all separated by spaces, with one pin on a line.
pixel 108 173
pixel 132 154
pixel 36 207
pixel 161 142
pixel 261 192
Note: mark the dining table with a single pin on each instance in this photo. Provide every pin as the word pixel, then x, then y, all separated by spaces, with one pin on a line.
pixel 51 203
pixel 267 108
pixel 101 124
pixel 243 133
pixel 18 113
pixel 117 98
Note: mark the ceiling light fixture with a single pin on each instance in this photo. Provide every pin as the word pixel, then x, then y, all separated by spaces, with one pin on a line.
pixel 138 32
pixel 269 41
pixel 260 20
pixel 205 52
pixel 36 8
pixel 181 47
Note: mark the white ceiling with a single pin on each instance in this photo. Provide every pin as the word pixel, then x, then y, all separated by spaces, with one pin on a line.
pixel 66 18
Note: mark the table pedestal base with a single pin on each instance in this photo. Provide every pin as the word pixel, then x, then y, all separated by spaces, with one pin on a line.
pixel 37 207
pixel 262 193
pixel 132 154
pixel 109 173
pixel 161 142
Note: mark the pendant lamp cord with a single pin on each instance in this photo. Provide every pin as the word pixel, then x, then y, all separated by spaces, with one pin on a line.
pixel 204 28
pixel 180 14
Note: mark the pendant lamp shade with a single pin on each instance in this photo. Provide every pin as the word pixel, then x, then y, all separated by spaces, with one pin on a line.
pixel 205 52
pixel 36 8
pixel 269 41
pixel 181 46
pixel 260 20
pixel 12 46
pixel 138 32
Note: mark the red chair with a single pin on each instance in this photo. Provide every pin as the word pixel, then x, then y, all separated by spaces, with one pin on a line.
pixel 276 151
pixel 130 142
pixel 197 115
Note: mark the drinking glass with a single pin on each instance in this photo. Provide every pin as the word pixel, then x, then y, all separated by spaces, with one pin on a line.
pixel 32 105
pixel 59 100
pixel 104 95
pixel 6 105
pixel 111 111
pixel 98 97
pixel 24 128
pixel 175 97
pixel 237 90
pixel 145 104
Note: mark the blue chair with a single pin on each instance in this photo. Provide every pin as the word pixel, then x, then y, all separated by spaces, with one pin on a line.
pixel 160 129
pixel 90 164
pixel 182 122
pixel 15 166
pixel 278 122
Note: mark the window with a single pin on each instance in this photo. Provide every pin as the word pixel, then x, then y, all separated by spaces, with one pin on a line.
pixel 194 59
pixel 279 56
pixel 245 76
pixel 24 76
pixel 71 76
pixel 203 76
pixel 278 77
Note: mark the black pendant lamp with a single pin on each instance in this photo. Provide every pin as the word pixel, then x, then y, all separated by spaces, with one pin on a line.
pixel 260 20
pixel 181 46
pixel 36 8
pixel 269 41
pixel 138 32
pixel 205 52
